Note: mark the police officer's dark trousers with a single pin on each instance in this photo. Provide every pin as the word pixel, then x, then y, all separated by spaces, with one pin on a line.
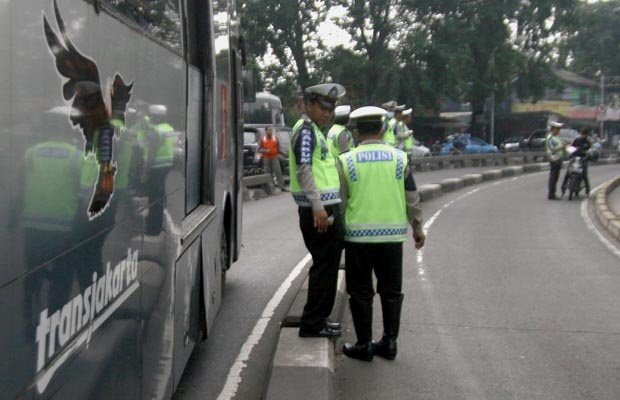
pixel 326 250
pixel 554 175
pixel 385 259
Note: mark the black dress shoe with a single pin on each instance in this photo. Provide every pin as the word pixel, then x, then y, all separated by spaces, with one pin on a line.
pixel 360 351
pixel 335 326
pixel 325 332
pixel 385 348
pixel 552 197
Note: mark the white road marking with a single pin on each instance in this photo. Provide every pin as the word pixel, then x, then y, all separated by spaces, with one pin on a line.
pixel 234 375
pixel 586 218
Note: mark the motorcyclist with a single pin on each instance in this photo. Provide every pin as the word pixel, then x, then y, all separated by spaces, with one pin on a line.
pixel 582 145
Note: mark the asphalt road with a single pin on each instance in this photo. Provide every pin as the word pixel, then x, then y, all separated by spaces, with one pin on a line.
pixel 234 362
pixel 513 297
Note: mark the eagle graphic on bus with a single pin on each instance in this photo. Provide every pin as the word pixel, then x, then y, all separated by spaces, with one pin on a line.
pixel 99 123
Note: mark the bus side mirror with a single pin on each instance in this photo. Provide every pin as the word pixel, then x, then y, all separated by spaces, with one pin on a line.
pixel 249 85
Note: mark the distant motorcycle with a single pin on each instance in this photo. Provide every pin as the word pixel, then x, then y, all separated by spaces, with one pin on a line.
pixel 575 176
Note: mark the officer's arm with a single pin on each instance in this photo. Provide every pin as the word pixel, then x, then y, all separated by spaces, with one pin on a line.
pixel 404 134
pixel 414 212
pixel 303 148
pixel 555 148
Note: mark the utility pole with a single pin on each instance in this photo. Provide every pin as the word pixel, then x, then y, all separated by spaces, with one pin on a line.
pixel 602 108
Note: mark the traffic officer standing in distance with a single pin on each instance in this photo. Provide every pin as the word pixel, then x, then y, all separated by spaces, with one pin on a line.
pixel 405 136
pixel 315 186
pixel 556 151
pixel 387 129
pixel 380 195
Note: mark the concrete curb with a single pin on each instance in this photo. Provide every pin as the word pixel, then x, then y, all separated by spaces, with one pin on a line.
pixel 303 368
pixel 605 215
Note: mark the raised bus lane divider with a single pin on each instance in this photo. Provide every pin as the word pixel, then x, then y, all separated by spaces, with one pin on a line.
pixel 607 206
pixel 304 368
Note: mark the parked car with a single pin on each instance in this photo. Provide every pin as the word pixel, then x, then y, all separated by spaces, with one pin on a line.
pixel 284 136
pixel 473 145
pixel 512 143
pixel 252 163
pixel 535 141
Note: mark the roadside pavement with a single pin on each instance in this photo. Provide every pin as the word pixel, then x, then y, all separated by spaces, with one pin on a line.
pixel 303 368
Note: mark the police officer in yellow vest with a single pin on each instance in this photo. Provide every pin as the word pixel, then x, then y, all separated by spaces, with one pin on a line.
pixel 315 187
pixel 405 136
pixel 389 122
pixel 381 198
pixel 339 138
pixel 556 152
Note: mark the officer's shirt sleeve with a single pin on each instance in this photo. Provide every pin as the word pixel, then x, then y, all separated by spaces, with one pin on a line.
pixel 303 149
pixel 343 141
pixel 414 212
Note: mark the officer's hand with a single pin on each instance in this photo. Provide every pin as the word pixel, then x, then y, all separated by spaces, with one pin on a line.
pixel 419 238
pixel 320 220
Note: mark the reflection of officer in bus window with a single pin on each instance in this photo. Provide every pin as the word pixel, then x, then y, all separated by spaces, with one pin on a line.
pixel 50 209
pixel 158 139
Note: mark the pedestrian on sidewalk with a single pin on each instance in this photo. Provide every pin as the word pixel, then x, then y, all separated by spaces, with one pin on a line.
pixel 315 186
pixel 379 197
pixel 269 147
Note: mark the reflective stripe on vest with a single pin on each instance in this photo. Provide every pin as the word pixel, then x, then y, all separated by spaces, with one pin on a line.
pixel 324 170
pixel 376 210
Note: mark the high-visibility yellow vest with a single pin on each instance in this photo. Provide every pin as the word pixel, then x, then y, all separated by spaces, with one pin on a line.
pixel 333 137
pixel 51 186
pixel 376 209
pixel 324 169
pixel 388 134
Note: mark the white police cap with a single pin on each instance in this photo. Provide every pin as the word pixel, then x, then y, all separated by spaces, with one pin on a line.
pixel 331 91
pixel 408 111
pixel 399 108
pixel 389 105
pixel 342 111
pixel 368 113
pixel 556 124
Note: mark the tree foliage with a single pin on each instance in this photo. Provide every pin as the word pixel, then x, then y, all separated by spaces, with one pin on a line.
pixel 593 46
pixel 424 52
pixel 289 31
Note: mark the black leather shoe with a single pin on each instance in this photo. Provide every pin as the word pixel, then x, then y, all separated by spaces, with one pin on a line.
pixel 360 351
pixel 552 197
pixel 335 326
pixel 385 348
pixel 325 332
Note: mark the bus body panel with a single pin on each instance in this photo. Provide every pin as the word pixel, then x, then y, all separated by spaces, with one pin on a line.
pixel 106 304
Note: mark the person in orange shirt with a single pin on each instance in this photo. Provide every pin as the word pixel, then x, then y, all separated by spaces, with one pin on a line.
pixel 269 146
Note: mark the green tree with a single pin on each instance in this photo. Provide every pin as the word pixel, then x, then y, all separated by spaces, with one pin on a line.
pixel 289 31
pixel 593 45
pixel 490 44
pixel 375 29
